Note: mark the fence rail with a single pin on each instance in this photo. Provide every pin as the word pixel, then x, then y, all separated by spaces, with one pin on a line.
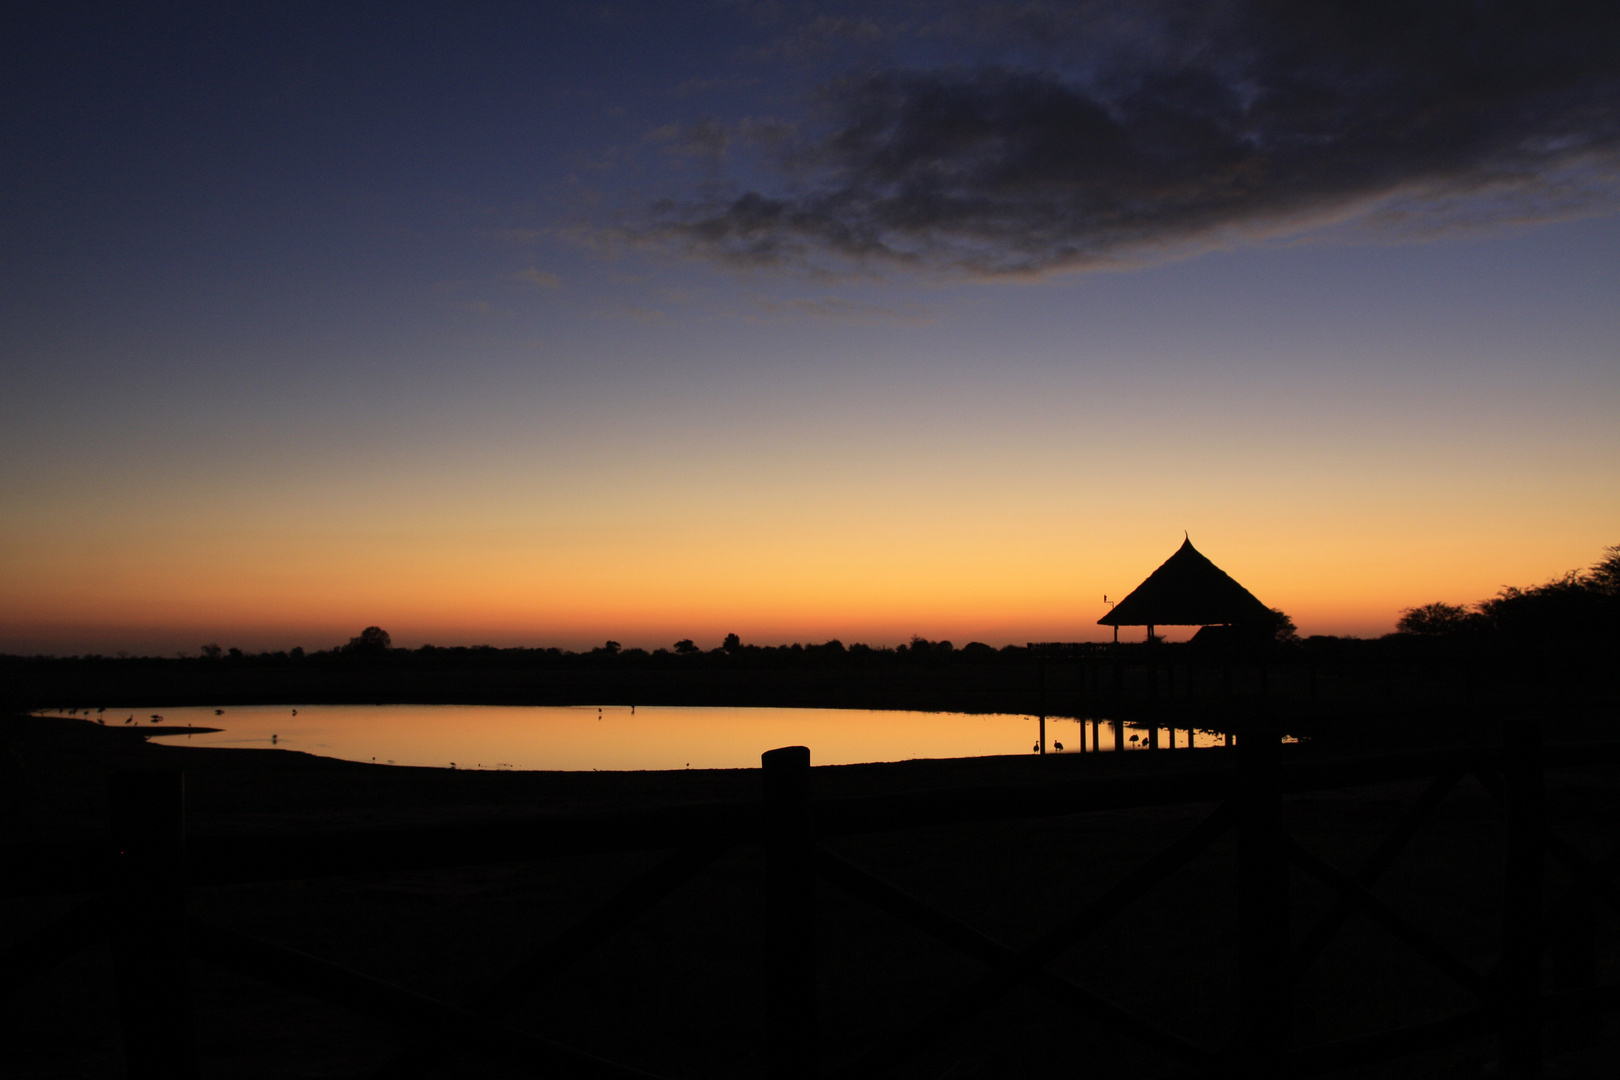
pixel 147 867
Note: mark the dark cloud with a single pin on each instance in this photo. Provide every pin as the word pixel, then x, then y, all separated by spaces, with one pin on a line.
pixel 1185 125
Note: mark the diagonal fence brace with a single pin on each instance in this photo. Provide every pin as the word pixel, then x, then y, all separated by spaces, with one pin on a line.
pixel 1371 1048
pixel 1376 864
pixel 1048 946
pixel 1594 877
pixel 510 989
pixel 1138 881
pixel 52 944
pixel 1008 962
pixel 1391 920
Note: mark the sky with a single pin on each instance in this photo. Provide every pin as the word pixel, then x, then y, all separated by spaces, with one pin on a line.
pixel 543 324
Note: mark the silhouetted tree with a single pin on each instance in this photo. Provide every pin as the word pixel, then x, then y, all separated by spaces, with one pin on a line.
pixel 611 648
pixel 732 644
pixel 1437 620
pixel 685 647
pixel 212 652
pixel 373 640
pixel 1605 573
pixel 1282 628
pixel 1581 603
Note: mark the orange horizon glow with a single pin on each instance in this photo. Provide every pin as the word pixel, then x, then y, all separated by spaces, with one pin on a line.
pixel 514 603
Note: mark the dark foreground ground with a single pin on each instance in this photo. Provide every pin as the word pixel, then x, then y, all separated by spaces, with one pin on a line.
pixel 677 991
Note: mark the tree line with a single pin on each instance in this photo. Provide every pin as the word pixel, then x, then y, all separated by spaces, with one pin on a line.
pixel 1579 605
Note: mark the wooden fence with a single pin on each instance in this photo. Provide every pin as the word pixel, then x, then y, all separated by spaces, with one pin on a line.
pixel 149 866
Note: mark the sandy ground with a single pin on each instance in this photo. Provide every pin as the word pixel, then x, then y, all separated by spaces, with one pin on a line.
pixel 676 992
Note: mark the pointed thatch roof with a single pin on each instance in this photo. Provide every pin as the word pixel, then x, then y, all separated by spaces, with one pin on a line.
pixel 1188 590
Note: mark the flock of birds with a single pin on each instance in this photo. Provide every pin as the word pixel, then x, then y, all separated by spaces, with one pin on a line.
pixel 156 718
pixel 1059 746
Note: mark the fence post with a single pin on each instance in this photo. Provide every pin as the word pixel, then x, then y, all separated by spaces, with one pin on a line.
pixel 1040 742
pixel 790 940
pixel 1572 964
pixel 1522 882
pixel 147 923
pixel 1263 902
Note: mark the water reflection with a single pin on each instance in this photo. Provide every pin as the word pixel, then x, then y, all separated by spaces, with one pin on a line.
pixel 1111 735
pixel 648 737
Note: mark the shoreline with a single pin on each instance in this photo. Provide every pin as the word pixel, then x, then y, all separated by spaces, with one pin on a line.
pixel 56 770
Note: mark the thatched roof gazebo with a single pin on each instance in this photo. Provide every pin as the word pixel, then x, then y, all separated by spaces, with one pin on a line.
pixel 1188 590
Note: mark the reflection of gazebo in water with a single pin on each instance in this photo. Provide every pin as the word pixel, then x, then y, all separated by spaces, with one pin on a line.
pixel 1189 590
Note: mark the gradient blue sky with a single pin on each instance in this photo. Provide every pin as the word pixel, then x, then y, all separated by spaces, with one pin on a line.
pixel 408 315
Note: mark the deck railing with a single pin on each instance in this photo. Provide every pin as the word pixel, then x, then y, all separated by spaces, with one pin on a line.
pixel 150 865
